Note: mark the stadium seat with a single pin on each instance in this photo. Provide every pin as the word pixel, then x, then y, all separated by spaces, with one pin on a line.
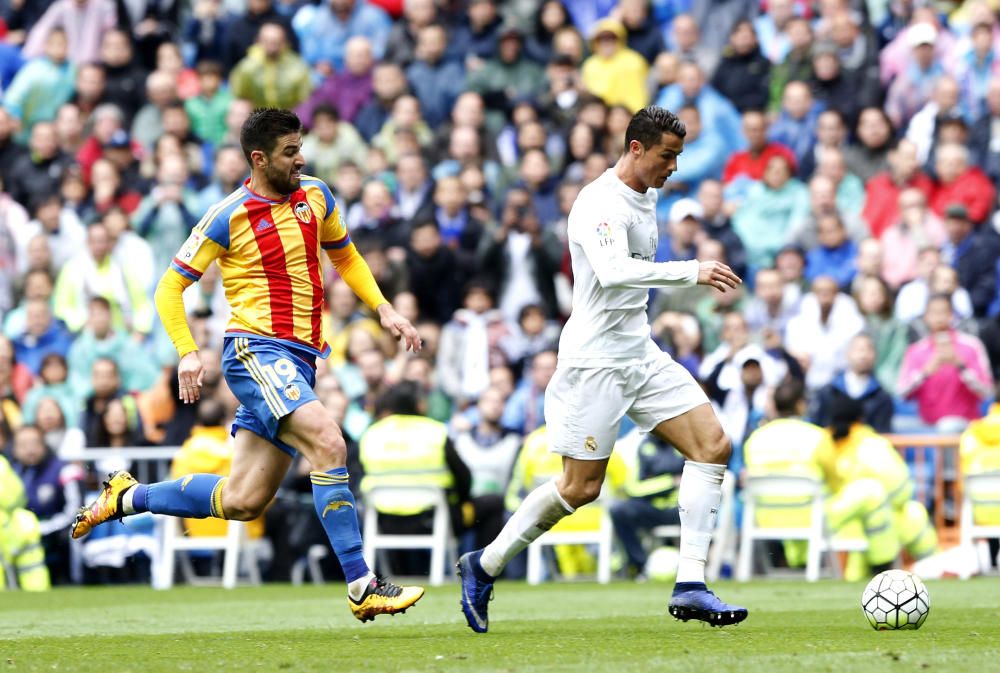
pixel 235 546
pixel 978 489
pixel 725 527
pixel 440 540
pixel 601 534
pixel 815 533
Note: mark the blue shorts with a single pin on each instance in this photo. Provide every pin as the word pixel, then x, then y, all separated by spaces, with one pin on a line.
pixel 270 379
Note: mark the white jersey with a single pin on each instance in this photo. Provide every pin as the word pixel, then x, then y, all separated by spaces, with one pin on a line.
pixel 612 242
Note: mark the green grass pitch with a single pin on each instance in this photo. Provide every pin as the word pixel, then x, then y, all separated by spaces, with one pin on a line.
pixel 586 628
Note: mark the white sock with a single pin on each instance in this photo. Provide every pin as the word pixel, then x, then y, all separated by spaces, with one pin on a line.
pixel 356 589
pixel 541 510
pixel 127 506
pixel 698 500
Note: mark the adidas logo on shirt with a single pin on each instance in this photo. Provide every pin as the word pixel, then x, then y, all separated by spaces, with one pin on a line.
pixel 263 225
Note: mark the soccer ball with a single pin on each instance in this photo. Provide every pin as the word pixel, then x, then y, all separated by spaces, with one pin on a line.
pixel 895 599
pixel 661 566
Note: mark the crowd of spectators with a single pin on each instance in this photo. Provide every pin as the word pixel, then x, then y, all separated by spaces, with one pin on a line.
pixel 843 156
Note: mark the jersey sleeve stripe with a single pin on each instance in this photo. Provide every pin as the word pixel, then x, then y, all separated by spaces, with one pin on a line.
pixel 221 210
pixel 339 244
pixel 185 270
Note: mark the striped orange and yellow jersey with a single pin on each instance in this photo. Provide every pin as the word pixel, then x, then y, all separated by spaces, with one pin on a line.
pixel 269 256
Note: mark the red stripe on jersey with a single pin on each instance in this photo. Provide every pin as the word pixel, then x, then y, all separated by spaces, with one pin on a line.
pixel 192 271
pixel 309 237
pixel 272 257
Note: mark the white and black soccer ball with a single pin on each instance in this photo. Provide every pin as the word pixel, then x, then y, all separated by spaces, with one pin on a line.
pixel 895 599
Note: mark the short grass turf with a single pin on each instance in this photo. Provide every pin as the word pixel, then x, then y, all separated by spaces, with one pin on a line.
pixel 586 628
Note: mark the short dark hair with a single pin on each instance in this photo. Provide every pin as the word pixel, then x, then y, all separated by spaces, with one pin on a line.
pixel 402 398
pixel 325 110
pixel 787 396
pixel 650 123
pixel 210 413
pixel 264 126
pixel 940 296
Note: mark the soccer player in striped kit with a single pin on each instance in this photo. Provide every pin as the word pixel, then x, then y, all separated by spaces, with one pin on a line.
pixel 267 237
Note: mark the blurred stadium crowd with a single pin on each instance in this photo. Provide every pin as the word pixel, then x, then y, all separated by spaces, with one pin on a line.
pixel 843 156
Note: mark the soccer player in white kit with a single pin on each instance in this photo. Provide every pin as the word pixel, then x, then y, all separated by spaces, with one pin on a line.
pixel 609 367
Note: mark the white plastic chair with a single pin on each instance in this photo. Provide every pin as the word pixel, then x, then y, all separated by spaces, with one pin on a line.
pixel 811 492
pixel 234 545
pixel 440 541
pixel 724 529
pixel 978 488
pixel 603 537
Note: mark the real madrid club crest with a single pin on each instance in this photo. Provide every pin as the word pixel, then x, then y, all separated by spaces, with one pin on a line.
pixel 292 391
pixel 303 212
pixel 590 444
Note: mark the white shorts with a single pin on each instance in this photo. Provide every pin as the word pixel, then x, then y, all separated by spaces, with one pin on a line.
pixel 585 406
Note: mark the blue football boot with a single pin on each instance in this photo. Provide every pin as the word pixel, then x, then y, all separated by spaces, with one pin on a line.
pixel 477 591
pixel 693 600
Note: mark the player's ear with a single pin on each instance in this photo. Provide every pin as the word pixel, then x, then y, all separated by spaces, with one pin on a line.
pixel 635 148
pixel 257 158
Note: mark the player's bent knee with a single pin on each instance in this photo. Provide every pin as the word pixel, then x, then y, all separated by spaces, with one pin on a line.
pixel 240 506
pixel 329 449
pixel 579 493
pixel 716 449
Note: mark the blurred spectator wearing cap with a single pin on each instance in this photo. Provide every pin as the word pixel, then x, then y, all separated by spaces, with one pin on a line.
pixel 683 226
pixel 125 79
pixel 42 85
pixel 84 23
pixel 614 73
pixel 271 74
pixel 925 126
pixel 795 126
pixel 946 372
pixel 818 335
pixel 973 255
pixel 915 228
pixel 913 87
pixel 94 273
pixel 508 76
pixel 435 81
pixel 960 182
pixel 767 215
pixel 324 30
pixel 717 112
pixel 742 75
pixel 207 109
pixel 347 90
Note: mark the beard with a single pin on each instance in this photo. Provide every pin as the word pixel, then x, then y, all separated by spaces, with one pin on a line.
pixel 281 181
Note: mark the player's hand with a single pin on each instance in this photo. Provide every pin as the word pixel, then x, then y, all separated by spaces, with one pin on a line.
pixel 190 374
pixel 717 275
pixel 399 327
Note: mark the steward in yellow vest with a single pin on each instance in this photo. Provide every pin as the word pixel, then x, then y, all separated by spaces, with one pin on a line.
pixel 404 448
pixel 980 454
pixel 20 535
pixel 792 447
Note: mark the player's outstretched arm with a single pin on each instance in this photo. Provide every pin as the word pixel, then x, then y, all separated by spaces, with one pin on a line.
pixel 717 275
pixel 353 268
pixel 605 244
pixel 170 305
